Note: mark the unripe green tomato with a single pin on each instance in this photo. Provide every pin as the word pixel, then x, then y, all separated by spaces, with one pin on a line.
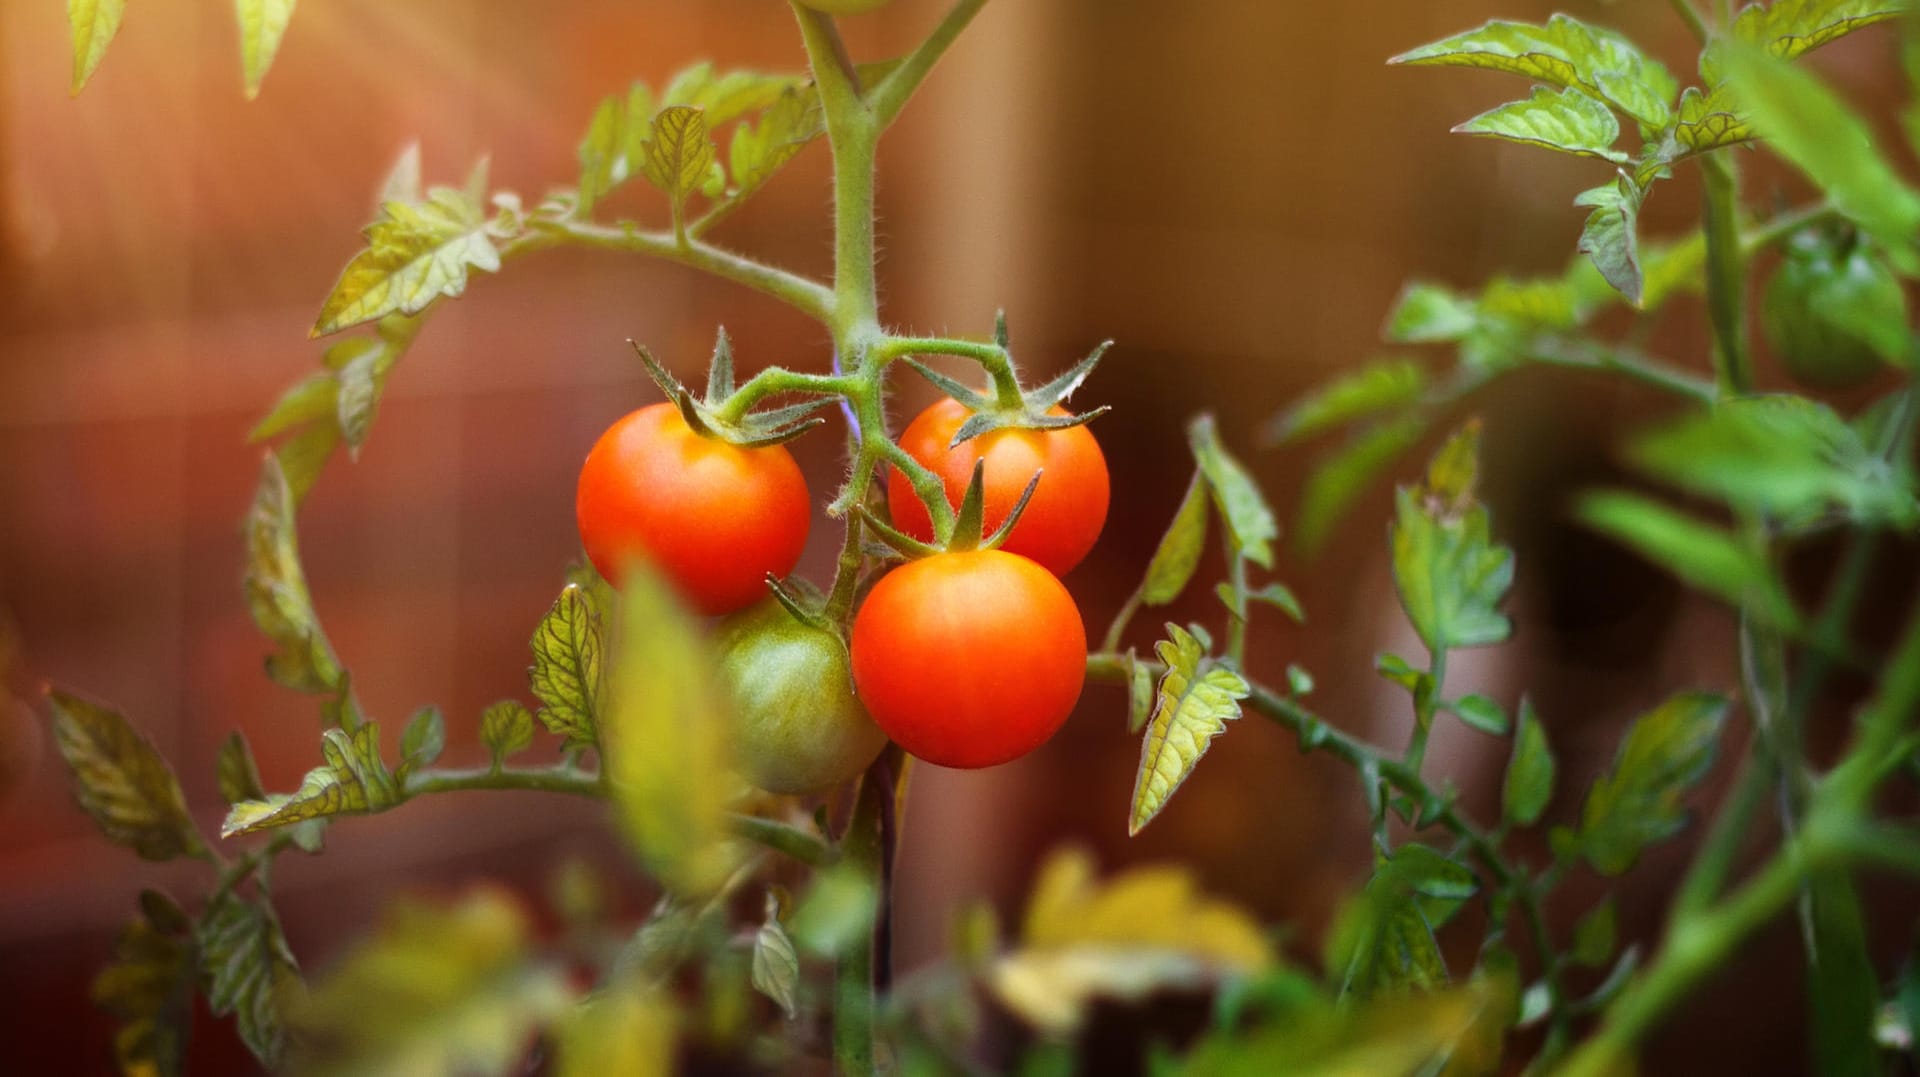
pixel 846 7
pixel 798 728
pixel 1818 310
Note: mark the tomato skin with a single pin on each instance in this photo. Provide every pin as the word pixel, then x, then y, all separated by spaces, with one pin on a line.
pixel 798 728
pixel 1807 310
pixel 715 518
pixel 969 659
pixel 1068 508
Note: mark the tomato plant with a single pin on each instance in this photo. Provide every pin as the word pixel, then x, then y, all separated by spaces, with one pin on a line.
pixel 966 653
pixel 716 518
pixel 971 658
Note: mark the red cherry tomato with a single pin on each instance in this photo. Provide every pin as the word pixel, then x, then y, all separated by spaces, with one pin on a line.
pixel 969 659
pixel 1068 508
pixel 714 517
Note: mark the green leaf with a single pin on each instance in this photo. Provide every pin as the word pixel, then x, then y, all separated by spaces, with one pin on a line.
pixel 1299 681
pixel 1703 556
pixel 1789 28
pixel 1594 935
pixel 679 153
pixel 1450 575
pixel 276 589
pixel 1637 802
pixel 1709 121
pixel 1243 509
pixel 665 742
pixel 1425 313
pixel 776 964
pixel 353 780
pixel 1843 988
pixel 238 778
pixel 1425 870
pixel 1611 236
pixel 421 742
pixel 1529 782
pixel 1384 386
pixel 1481 713
pixel 311 399
pixel 725 96
pixel 435 992
pixel 1178 554
pixel 262 24
pixel 416 253
pixel 121 781
pixel 149 989
pixel 357 400
pixel 1280 597
pixel 1397 669
pixel 1381 941
pixel 1569 120
pixel 761 147
pixel 1782 456
pixel 1140 694
pixel 566 667
pixel 1563 52
pixel 1196 701
pixel 1340 478
pixel 92 24
pixel 1669 269
pixel 505 728
pixel 1804 122
pixel 615 144
pixel 1451 1032
pixel 248 970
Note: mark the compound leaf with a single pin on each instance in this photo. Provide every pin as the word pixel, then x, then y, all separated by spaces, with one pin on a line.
pixel 353 780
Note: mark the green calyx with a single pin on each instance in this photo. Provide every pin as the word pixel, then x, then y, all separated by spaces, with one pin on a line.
pixel 1013 408
pixel 710 416
pixel 969 525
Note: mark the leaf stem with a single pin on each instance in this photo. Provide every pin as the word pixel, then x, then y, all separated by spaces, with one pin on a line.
pixel 1726 275
pixel 893 92
pixel 1589 355
pixel 1696 22
pixel 564 778
pixel 854 981
pixel 809 297
pixel 994 359
pixel 776 380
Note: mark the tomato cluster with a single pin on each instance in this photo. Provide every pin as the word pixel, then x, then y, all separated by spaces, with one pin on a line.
pixel 964 657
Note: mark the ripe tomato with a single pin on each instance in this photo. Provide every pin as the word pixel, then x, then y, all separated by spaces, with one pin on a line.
pixel 1068 508
pixel 969 659
pixel 1823 309
pixel 714 517
pixel 797 726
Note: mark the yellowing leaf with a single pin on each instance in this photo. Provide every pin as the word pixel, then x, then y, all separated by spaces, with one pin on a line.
pixel 92 24
pixel 624 1030
pixel 416 253
pixel 262 24
pixel 1637 802
pixel 1179 551
pixel 566 667
pixel 353 780
pixel 238 778
pixel 1197 700
pixel 121 781
pixel 664 741
pixel 149 988
pixel 276 588
pixel 679 153
pixel 1145 930
pixel 505 728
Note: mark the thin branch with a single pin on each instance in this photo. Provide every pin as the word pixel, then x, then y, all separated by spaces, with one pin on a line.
pixel 807 296
pixel 893 92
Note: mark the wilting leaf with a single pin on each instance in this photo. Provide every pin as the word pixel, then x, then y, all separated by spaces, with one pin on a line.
pixel 121 781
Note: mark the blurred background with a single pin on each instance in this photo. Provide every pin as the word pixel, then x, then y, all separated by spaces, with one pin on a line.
pixel 1232 190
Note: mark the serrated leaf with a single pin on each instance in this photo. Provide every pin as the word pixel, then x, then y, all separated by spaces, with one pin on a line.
pixel 238 778
pixel 664 742
pixel 1450 574
pixel 1709 121
pixel 615 143
pixel 760 147
pixel 1338 479
pixel 1804 122
pixel 434 992
pixel 566 667
pixel 262 24
pixel 249 971
pixel 1243 509
pixel 1196 701
pixel 776 964
pixel 1702 555
pixel 1481 713
pixel 505 728
pixel 1594 935
pixel 1611 236
pixel 353 780
pixel 1563 52
pixel 1789 28
pixel 1568 120
pixel 421 742
pixel 1139 693
pixel 679 153
pixel 1178 554
pixel 1145 930
pixel 1528 786
pixel 416 253
pixel 276 589
pixel 121 781
pixel 1637 802
pixel 92 24
pixel 149 989
pixel 1385 386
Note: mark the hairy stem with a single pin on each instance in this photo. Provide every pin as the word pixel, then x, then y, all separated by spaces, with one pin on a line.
pixel 809 297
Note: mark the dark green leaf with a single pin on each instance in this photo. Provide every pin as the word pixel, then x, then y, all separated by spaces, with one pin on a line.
pixel 1568 120
pixel 1425 870
pixel 1564 52
pixel 353 780
pixel 1338 479
pixel 505 728
pixel 1611 236
pixel 248 969
pixel 1703 556
pixel 1196 701
pixel 1243 509
pixel 238 778
pixel 421 742
pixel 1179 551
pixel 1381 941
pixel 121 781
pixel 1843 988
pixel 1529 781
pixel 1481 713
pixel 1637 802
pixel 1594 935
pixel 566 668
pixel 1378 387
pixel 149 989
